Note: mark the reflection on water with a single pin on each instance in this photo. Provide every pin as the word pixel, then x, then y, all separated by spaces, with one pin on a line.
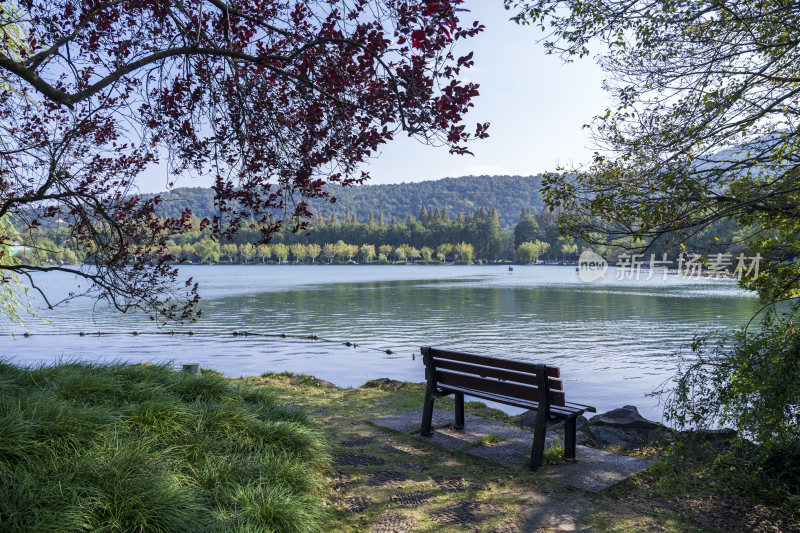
pixel 612 339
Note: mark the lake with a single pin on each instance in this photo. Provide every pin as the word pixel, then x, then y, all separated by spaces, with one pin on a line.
pixel 612 339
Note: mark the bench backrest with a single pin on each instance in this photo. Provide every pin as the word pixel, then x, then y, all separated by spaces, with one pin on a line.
pixel 503 377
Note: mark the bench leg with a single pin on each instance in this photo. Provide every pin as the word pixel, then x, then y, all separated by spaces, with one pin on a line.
pixel 569 438
pixel 459 399
pixel 539 433
pixel 427 412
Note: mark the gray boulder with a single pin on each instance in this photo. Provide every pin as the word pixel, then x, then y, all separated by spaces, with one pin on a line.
pixel 622 428
pixel 627 417
pixel 712 439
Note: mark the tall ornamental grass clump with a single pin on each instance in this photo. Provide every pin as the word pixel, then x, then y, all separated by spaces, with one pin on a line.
pixel 115 448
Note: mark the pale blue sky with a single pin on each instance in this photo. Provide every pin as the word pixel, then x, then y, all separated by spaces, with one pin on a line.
pixel 535 103
pixel 536 106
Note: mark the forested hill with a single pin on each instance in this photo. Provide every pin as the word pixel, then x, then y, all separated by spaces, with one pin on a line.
pixel 508 194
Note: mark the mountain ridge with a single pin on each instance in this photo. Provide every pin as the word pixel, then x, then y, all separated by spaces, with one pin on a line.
pixel 508 194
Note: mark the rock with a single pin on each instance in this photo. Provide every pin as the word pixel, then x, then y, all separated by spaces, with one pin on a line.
pixel 192 368
pixel 623 417
pixel 622 428
pixel 627 439
pixel 716 439
pixel 322 383
pixel 381 382
pixel 619 428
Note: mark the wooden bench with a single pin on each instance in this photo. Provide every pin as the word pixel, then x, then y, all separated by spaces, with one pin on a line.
pixel 527 385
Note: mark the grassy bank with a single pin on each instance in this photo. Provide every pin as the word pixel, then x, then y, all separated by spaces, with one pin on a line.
pixel 143 448
pixel 131 448
pixel 391 481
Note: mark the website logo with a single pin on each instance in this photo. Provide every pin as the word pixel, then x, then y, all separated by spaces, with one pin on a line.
pixel 591 266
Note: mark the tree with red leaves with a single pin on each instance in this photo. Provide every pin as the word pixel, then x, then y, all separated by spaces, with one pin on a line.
pixel 271 98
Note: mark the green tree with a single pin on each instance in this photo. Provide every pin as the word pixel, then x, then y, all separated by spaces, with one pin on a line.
pixel 230 252
pixel 313 251
pixel 563 247
pixel 15 300
pixel 443 251
pixel 248 252
pixel 299 252
pixel 385 250
pixel 366 253
pixel 703 128
pixel 70 257
pixel 263 252
pixel 401 252
pixel 328 252
pixel 427 253
pixel 207 250
pixel 280 251
pixel 527 230
pixel 463 252
pixel 188 252
pixel 529 252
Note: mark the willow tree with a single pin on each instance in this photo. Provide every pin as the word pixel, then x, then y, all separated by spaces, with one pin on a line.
pixel 704 127
pixel 269 99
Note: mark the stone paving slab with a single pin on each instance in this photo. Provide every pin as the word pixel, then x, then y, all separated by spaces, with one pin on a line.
pixel 596 470
pixel 593 471
pixel 556 514
pixel 412 420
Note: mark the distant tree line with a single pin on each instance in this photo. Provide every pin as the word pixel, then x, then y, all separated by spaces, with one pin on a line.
pixel 433 236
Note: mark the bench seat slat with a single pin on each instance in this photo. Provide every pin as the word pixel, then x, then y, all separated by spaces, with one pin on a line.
pixel 483 371
pixel 506 389
pixel 587 408
pixel 506 364
pixel 560 412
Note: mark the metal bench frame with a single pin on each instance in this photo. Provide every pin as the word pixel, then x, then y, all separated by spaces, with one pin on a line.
pixel 531 386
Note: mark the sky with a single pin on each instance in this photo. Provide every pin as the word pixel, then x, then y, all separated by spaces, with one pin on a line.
pixel 536 105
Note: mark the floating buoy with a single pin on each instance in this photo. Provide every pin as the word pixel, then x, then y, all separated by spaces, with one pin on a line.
pixel 389 352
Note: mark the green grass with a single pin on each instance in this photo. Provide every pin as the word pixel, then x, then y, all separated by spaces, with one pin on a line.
pixel 118 448
pixel 487 440
pixel 553 454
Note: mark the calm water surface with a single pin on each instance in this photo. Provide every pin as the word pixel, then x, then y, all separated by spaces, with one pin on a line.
pixel 612 339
